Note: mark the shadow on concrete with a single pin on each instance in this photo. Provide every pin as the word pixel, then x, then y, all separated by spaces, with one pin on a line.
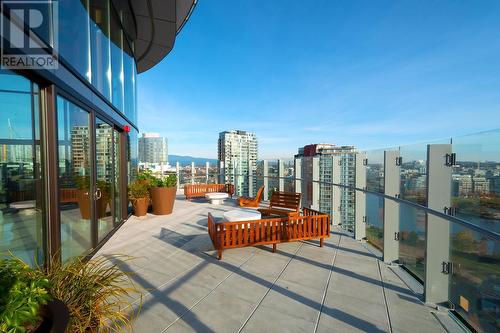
pixel 158 296
pixel 363 253
pixel 336 313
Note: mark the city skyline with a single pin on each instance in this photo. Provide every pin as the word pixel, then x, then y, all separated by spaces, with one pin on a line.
pixel 373 76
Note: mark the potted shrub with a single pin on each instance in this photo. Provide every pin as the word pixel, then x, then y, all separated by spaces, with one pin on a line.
pixel 76 296
pixel 25 302
pixel 163 191
pixel 82 183
pixel 138 194
pixel 84 197
pixel 103 202
pixel 96 291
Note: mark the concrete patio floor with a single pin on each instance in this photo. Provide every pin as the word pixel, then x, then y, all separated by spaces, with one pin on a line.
pixel 342 287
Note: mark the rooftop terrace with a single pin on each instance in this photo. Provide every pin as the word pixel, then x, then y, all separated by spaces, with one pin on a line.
pixel 343 286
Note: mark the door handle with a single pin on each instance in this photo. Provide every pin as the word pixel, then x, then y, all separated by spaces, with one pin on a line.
pixel 98 194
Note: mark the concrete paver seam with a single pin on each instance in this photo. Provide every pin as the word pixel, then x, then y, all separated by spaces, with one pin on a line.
pixel 389 324
pixel 208 294
pixel 327 285
pixel 175 277
pixel 270 288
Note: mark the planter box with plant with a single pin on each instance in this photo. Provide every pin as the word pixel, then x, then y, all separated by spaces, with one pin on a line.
pixel 25 302
pixel 77 296
pixel 138 194
pixel 163 191
pixel 84 197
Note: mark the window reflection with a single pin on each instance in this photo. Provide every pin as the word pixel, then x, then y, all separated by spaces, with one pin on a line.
pixel 117 62
pixel 105 177
pixel 93 43
pixel 21 193
pixel 100 48
pixel 74 35
pixel 75 192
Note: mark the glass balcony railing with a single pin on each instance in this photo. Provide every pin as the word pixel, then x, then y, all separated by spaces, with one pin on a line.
pixel 439 200
pixel 473 276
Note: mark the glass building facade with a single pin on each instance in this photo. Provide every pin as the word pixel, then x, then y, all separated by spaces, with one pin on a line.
pixel 68 137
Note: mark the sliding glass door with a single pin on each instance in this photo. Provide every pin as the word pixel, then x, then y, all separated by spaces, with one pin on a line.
pixel 76 188
pixel 89 186
pixel 107 184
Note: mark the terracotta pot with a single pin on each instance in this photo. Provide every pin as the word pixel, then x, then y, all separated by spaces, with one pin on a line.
pixel 84 203
pixel 163 199
pixel 101 205
pixel 140 206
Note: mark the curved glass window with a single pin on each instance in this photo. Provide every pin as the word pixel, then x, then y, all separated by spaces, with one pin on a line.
pixel 130 75
pixel 93 43
pixel 117 55
pixel 74 35
pixel 100 47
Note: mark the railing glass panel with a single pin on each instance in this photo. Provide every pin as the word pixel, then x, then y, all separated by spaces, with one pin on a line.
pixel 375 170
pixel 375 220
pixel 412 227
pixel 475 279
pixel 476 179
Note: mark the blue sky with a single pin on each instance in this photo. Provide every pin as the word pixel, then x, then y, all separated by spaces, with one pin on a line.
pixel 367 73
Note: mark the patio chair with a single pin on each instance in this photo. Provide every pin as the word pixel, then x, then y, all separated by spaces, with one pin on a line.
pixel 251 202
pixel 282 204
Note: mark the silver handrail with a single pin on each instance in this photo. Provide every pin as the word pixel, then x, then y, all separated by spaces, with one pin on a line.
pixel 489 233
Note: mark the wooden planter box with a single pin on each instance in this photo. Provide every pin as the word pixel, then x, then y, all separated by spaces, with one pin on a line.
pixel 310 225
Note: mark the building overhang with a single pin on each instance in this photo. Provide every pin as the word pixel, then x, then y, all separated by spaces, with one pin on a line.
pixel 153 26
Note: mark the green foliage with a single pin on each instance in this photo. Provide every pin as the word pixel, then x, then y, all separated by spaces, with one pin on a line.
pixel 167 181
pixel 96 293
pixel 138 189
pixel 22 291
pixel 105 188
pixel 464 241
pixel 145 176
pixel 82 182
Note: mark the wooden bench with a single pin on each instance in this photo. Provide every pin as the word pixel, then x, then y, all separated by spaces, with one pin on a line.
pixel 199 190
pixel 310 225
pixel 68 195
pixel 282 204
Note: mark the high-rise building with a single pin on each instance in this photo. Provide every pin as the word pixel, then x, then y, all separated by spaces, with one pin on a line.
pixel 238 154
pixel 347 165
pixel 153 148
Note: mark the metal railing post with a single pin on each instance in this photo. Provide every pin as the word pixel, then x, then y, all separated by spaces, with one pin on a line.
pixel 265 167
pixel 177 172
pixel 207 166
pixel 298 179
pixel 315 184
pixel 360 199
pixel 237 189
pixel 438 229
pixel 250 178
pixel 281 174
pixel 222 173
pixel 336 191
pixel 391 208
pixel 192 172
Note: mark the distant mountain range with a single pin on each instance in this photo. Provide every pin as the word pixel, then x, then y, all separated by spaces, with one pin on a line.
pixel 186 160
